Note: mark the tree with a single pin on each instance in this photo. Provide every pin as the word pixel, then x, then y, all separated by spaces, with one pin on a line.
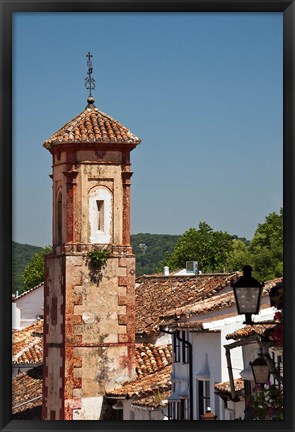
pixel 238 256
pixel 33 273
pixel 266 247
pixel 204 245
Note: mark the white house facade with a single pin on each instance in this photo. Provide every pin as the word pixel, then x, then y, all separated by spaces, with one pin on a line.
pixel 28 307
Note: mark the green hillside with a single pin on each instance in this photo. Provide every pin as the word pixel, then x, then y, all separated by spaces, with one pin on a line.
pixel 21 256
pixel 149 250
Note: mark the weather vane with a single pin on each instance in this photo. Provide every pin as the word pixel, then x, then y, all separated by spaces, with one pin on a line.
pixel 89 81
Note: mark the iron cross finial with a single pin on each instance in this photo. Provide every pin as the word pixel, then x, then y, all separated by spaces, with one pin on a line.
pixel 89 81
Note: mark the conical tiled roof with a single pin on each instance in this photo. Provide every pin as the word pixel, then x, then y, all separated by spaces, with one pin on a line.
pixel 92 126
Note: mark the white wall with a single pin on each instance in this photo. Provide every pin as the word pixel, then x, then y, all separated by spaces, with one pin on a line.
pixel 15 317
pixel 131 412
pixel 31 305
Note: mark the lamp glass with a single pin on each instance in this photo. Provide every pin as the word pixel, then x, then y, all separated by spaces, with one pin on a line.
pixel 248 299
pixel 260 371
pixel 261 374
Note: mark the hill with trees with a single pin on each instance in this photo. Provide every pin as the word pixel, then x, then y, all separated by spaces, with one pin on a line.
pixel 151 249
pixel 215 251
pixel 27 260
pixel 218 251
pixel 21 257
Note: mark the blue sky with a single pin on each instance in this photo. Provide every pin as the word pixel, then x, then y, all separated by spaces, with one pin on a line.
pixel 202 90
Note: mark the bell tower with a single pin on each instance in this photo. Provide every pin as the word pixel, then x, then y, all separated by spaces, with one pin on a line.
pixel 89 315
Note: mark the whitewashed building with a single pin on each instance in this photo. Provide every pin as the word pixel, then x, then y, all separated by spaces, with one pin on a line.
pixel 28 307
pixel 200 361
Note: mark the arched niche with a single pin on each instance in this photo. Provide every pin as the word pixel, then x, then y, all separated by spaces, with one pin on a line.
pixel 100 214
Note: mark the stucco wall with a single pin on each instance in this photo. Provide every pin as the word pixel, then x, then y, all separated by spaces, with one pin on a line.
pixel 134 412
pixel 31 305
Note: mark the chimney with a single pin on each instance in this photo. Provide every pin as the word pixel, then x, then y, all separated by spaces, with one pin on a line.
pixel 166 271
pixel 16 318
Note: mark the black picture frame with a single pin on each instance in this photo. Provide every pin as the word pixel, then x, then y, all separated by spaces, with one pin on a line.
pixel 8 7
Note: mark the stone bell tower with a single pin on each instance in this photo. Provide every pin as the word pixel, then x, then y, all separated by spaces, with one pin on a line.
pixel 89 314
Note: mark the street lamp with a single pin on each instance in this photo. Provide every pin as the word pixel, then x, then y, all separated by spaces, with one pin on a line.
pixel 260 371
pixel 247 292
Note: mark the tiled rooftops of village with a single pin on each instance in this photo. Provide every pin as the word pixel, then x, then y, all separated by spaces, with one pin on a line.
pixel 27 344
pixel 215 298
pixel 145 386
pixel 157 297
pixel 92 126
pixel 225 388
pixel 259 330
pixel 153 367
pixel 153 383
pixel 27 394
pixel 151 358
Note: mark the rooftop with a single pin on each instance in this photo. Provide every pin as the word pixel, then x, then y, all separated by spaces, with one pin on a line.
pixel 258 329
pixel 27 344
pixel 23 294
pixel 150 358
pixel 157 296
pixel 145 386
pixel 27 394
pixel 153 368
pixel 92 126
pixel 224 388
pixel 219 300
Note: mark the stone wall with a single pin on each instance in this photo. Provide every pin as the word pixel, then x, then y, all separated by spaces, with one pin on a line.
pixel 96 351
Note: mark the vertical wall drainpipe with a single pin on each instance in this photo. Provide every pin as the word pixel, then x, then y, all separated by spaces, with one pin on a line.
pixel 190 356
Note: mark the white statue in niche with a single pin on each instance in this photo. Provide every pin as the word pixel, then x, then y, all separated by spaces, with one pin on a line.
pixel 100 214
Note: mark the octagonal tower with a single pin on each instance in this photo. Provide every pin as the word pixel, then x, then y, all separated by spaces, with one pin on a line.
pixel 89 320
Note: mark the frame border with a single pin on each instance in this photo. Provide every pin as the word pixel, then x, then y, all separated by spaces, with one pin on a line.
pixel 7 9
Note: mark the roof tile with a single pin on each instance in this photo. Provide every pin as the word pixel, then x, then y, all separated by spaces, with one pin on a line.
pixel 92 125
pixel 157 297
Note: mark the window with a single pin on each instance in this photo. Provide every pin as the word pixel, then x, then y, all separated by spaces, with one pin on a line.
pixel 59 219
pixel 174 410
pixel 185 349
pixel 100 215
pixel 203 389
pixel 178 410
pixel 176 348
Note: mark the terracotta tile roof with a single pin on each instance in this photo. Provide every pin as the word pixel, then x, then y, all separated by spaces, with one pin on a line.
pixel 27 344
pixel 92 126
pixel 219 301
pixel 27 394
pixel 257 329
pixel 157 297
pixel 145 386
pixel 32 354
pixel 156 400
pixel 150 358
pixel 224 388
pixel 198 325
pixel 153 368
